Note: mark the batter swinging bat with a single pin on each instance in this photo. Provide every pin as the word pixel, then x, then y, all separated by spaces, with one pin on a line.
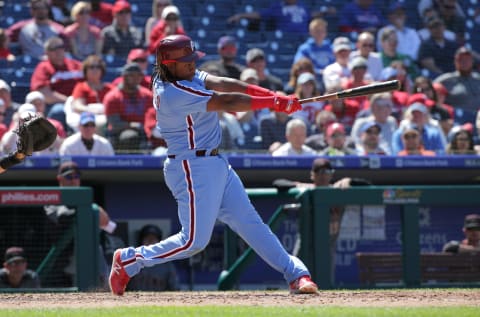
pixel 356 92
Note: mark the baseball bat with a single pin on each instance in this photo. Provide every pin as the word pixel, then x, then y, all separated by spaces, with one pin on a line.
pixel 358 91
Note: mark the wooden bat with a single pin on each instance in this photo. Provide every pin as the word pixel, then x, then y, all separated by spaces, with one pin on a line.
pixel 358 91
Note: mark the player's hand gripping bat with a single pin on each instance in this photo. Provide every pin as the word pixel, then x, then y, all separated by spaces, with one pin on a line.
pixel 358 91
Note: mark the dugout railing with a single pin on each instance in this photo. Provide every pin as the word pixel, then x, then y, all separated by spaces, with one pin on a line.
pixel 84 230
pixel 314 218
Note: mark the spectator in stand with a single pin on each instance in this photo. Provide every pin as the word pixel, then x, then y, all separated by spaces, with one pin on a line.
pixel 307 88
pixel 317 139
pixel 336 138
pixel 317 47
pixel 255 59
pixel 338 72
pixel 101 14
pixel 169 24
pixel 301 66
pixel 88 94
pixel 235 133
pixel 84 38
pixel 424 32
pixel 402 76
pixel 454 21
pixel 389 52
pixel 86 141
pixel 288 16
pixel 437 53
pixel 121 36
pixel 3 126
pixel 434 100
pixel 471 243
pixel 408 39
pixel 273 130
pixel 432 137
pixel 156 278
pixel 10 106
pixel 381 106
pixel 462 86
pixel 14 273
pixel 295 133
pixel 461 142
pixel 8 142
pixel 157 9
pixel 345 110
pixel 55 78
pixel 358 72
pixel 227 67
pixel 434 5
pixel 365 48
pixel 370 140
pixel 37 31
pixel 125 107
pixel 139 56
pixel 412 142
pixel 399 97
pixel 5 52
pixel 60 12
pixel 360 16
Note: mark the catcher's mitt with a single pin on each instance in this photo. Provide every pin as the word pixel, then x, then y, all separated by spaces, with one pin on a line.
pixel 35 133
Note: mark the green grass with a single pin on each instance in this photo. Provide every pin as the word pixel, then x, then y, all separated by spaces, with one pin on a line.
pixel 244 311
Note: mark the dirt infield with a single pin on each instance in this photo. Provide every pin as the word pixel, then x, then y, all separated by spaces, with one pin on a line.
pixel 373 298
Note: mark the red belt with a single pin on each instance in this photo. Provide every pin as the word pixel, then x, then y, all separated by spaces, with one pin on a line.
pixel 199 153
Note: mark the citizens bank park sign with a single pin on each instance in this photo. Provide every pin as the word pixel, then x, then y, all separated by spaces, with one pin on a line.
pixel 30 197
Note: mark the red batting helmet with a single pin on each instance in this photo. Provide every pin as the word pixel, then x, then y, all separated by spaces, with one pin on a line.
pixel 177 48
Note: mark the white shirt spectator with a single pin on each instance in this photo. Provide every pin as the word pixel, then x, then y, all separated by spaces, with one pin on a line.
pixel 286 149
pixel 73 145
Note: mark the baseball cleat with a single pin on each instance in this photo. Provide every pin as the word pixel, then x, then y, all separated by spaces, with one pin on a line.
pixel 118 278
pixel 303 285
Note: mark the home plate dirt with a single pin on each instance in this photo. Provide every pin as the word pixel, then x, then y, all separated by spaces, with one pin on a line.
pixel 371 298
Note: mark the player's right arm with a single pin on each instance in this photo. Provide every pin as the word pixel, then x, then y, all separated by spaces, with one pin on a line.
pixel 234 95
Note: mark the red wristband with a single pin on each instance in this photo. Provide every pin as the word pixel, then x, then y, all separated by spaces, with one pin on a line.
pixel 254 90
pixel 262 102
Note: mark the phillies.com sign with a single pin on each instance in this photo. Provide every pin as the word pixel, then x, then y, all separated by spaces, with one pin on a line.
pixel 30 197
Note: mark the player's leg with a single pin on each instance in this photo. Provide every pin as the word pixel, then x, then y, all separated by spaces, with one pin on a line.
pixel 240 215
pixel 199 199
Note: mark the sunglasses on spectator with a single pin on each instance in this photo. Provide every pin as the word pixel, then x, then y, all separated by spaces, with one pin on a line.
pixel 57 47
pixel 367 45
pixel 124 12
pixel 463 139
pixel 82 12
pixel 94 67
pixel 89 125
pixel 410 136
pixel 16 262
pixel 140 60
pixel 328 171
pixel 71 176
pixel 374 132
pixel 172 18
pixel 39 8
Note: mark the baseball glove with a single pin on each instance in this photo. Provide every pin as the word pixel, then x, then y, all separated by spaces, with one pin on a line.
pixel 35 133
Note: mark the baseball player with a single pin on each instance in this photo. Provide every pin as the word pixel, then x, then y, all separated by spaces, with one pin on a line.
pixel 203 183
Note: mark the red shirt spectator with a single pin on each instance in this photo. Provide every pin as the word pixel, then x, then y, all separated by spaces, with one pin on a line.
pixel 345 111
pixel 61 78
pixel 139 56
pixel 101 14
pixel 168 25
pixel 83 90
pixel 131 108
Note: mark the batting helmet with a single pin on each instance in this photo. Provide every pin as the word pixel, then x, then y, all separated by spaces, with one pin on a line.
pixel 177 48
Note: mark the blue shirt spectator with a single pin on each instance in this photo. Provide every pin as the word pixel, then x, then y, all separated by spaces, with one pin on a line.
pixel 417 114
pixel 317 48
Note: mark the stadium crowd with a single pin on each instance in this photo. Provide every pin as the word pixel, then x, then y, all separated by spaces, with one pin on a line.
pixel 91 63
